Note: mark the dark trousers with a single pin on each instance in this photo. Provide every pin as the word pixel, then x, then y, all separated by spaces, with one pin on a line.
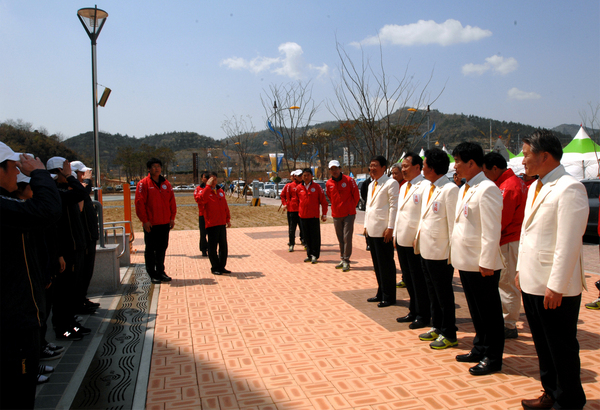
pixel 344 230
pixel 412 274
pixel 217 237
pixel 311 229
pixel 485 307
pixel 66 291
pixel 19 361
pixel 203 242
pixel 382 254
pixel 293 222
pixel 157 242
pixel 554 333
pixel 87 271
pixel 438 277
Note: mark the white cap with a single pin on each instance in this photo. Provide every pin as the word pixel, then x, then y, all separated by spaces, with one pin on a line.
pixel 22 178
pixel 55 162
pixel 7 154
pixel 297 172
pixel 334 163
pixel 79 166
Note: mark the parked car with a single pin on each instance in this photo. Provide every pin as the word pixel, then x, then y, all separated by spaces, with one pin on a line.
pixel 322 185
pixel 592 186
pixel 267 190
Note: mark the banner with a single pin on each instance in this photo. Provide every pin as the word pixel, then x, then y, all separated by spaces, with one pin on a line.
pixel 314 170
pixel 275 167
pixel 227 171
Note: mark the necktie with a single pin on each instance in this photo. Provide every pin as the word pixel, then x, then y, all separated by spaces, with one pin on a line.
pixel 538 187
pixel 408 185
pixel 431 192
pixel 374 187
pixel 466 189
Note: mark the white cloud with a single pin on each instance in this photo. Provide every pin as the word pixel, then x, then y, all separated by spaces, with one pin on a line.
pixel 426 32
pixel 497 64
pixel 290 63
pixel 516 94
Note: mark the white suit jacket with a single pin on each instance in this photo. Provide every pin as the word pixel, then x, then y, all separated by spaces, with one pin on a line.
pixel 550 248
pixel 409 210
pixel 477 227
pixel 437 221
pixel 382 205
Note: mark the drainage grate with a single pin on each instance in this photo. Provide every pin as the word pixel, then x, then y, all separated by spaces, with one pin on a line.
pixel 111 378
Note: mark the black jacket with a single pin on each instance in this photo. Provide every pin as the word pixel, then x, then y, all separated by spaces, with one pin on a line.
pixel 71 235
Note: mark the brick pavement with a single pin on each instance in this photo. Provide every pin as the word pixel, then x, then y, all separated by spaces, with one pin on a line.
pixel 282 334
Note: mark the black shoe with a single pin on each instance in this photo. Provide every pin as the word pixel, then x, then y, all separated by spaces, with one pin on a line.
pixel 55 348
pixel 469 358
pixel 511 333
pixel 164 278
pixel 85 310
pixel 418 324
pixel 215 272
pixel 368 248
pixel 49 354
pixel 383 304
pixel 68 334
pixel 91 304
pixel 82 329
pixel 484 367
pixel 205 254
pixel 225 271
pixel 155 280
pixel 406 319
pixel 374 299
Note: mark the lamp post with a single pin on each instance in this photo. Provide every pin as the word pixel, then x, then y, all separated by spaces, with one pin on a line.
pixel 275 112
pixel 427 111
pixel 92 20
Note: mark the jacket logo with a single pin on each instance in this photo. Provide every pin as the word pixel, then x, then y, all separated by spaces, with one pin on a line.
pixel 312 190
pixel 466 210
pixel 164 186
pixel 416 198
pixel 343 185
pixel 221 193
pixel 435 207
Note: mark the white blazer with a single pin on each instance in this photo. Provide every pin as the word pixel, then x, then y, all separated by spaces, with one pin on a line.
pixel 550 248
pixel 409 210
pixel 382 205
pixel 477 227
pixel 437 221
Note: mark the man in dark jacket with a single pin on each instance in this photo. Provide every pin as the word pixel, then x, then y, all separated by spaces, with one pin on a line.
pixel 19 295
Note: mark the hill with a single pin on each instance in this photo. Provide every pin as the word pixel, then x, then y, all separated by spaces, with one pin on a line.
pixel 22 139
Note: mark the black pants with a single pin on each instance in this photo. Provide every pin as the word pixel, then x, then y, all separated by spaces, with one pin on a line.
pixel 157 242
pixel 217 237
pixel 293 221
pixel 485 307
pixel 311 228
pixel 554 333
pixel 87 271
pixel 438 277
pixel 412 274
pixel 19 361
pixel 203 242
pixel 66 293
pixel 382 254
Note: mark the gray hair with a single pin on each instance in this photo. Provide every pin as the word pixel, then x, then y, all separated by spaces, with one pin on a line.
pixel 544 141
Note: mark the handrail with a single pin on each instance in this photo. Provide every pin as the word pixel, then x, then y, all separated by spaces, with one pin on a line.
pixel 114 228
pixel 132 238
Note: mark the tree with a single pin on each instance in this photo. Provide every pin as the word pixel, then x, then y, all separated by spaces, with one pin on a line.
pixel 290 125
pixel 591 121
pixel 240 133
pixel 319 138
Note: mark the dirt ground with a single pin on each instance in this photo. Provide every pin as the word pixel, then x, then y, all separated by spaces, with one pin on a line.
pixel 242 215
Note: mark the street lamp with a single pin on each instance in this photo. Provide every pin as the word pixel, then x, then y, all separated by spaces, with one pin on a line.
pixel 413 110
pixel 92 20
pixel 275 111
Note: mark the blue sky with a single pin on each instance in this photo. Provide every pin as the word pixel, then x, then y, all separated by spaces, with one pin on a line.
pixel 187 65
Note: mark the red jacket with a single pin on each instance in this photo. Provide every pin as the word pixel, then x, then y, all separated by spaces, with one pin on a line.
pixel 344 196
pixel 197 195
pixel 514 193
pixel 289 196
pixel 155 203
pixel 216 210
pixel 310 199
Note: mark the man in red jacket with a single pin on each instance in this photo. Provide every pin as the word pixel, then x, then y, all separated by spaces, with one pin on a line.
pixel 311 195
pixel 344 196
pixel 155 207
pixel 216 218
pixel 197 195
pixel 289 200
pixel 514 194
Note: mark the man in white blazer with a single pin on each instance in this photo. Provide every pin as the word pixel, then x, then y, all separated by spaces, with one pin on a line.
pixel 380 214
pixel 475 252
pixel 550 270
pixel 405 231
pixel 433 243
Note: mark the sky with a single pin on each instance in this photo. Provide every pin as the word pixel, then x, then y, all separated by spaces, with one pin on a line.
pixel 190 65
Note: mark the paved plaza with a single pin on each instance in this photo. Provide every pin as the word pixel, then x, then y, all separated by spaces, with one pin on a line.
pixel 280 334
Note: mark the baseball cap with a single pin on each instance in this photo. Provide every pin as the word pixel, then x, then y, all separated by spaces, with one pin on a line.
pixel 334 163
pixel 55 162
pixel 7 154
pixel 21 177
pixel 79 166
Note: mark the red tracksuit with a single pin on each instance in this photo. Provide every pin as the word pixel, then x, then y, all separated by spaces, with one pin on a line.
pixel 310 199
pixel 216 210
pixel 289 196
pixel 514 193
pixel 344 196
pixel 155 203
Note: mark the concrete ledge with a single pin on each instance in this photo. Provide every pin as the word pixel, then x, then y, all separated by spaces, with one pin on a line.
pixel 124 261
pixel 107 276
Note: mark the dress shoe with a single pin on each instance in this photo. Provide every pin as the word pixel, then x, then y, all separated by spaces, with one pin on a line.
pixel 205 254
pixel 383 304
pixel 215 272
pixel 511 333
pixel 225 271
pixel 484 367
pixel 164 278
pixel 418 324
pixel 91 304
pixel 469 358
pixel 406 319
pixel 374 299
pixel 545 401
pixel 155 280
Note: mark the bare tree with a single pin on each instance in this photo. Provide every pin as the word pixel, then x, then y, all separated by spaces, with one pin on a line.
pixel 289 125
pixel 591 121
pixel 240 133
pixel 376 104
pixel 320 139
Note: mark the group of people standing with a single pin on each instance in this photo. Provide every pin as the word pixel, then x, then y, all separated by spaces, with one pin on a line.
pixel 48 242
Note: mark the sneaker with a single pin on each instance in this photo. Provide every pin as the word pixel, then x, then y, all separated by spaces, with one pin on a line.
pixel 597 284
pixel 308 259
pixel 313 260
pixel 340 265
pixel 55 348
pixel 91 304
pixel 443 343
pixel 512 333
pixel 82 329
pixel 401 284
pixel 346 267
pixel 49 354
pixel 45 369
pixel 429 336
pixel 291 249
pixel 68 334
pixel 595 305
pixel 41 379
